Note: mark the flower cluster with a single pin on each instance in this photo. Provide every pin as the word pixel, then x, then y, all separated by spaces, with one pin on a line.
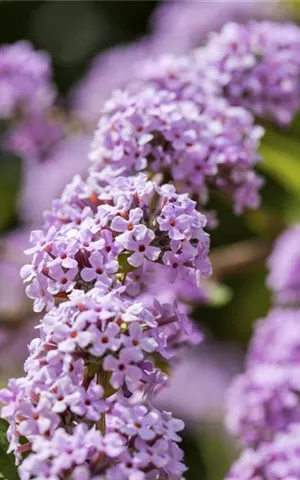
pixel 101 356
pixel 182 25
pixel 258 66
pixel 276 338
pixel 34 138
pixel 112 231
pixel 154 130
pixel 109 336
pixel 25 80
pixel 284 278
pixel 263 402
pixel 95 354
pixel 138 444
pixel 275 461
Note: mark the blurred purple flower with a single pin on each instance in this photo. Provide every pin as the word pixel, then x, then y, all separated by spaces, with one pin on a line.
pixel 179 26
pixel 284 266
pixel 276 338
pixel 272 461
pixel 25 80
pixel 212 368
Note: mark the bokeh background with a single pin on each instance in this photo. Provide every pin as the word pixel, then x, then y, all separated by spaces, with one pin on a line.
pixel 94 45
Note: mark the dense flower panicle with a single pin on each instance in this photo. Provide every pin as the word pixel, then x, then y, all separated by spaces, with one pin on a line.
pixel 25 80
pixel 284 263
pixel 258 65
pixel 153 130
pixel 112 231
pixel 95 351
pixel 276 339
pixel 139 443
pixel 273 461
pixel 263 401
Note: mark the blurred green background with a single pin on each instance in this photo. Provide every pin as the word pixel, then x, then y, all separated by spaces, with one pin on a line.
pixel 73 33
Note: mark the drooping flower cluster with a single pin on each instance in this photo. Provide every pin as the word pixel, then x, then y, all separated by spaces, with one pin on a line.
pixel 263 402
pixel 25 80
pixel 258 66
pixel 154 130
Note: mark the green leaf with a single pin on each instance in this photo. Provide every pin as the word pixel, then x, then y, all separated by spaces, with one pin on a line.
pixel 281 159
pixel 10 180
pixel 8 468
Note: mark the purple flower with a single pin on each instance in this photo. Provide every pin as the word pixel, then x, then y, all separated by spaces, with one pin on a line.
pixel 275 460
pixel 263 401
pixel 35 138
pixel 276 338
pixel 105 229
pixel 128 227
pixel 25 80
pixel 99 270
pixel 283 263
pixel 37 290
pixel 258 66
pixel 61 280
pixel 124 368
pixel 200 143
pixel 182 25
pixel 137 339
pixel 106 340
pixel 142 248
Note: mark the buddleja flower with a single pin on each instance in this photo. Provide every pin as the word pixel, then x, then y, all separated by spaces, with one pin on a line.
pixel 154 130
pixel 139 443
pixel 276 339
pixel 179 75
pixel 25 80
pixel 277 460
pixel 263 401
pixel 92 348
pixel 283 263
pixel 111 231
pixel 258 65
